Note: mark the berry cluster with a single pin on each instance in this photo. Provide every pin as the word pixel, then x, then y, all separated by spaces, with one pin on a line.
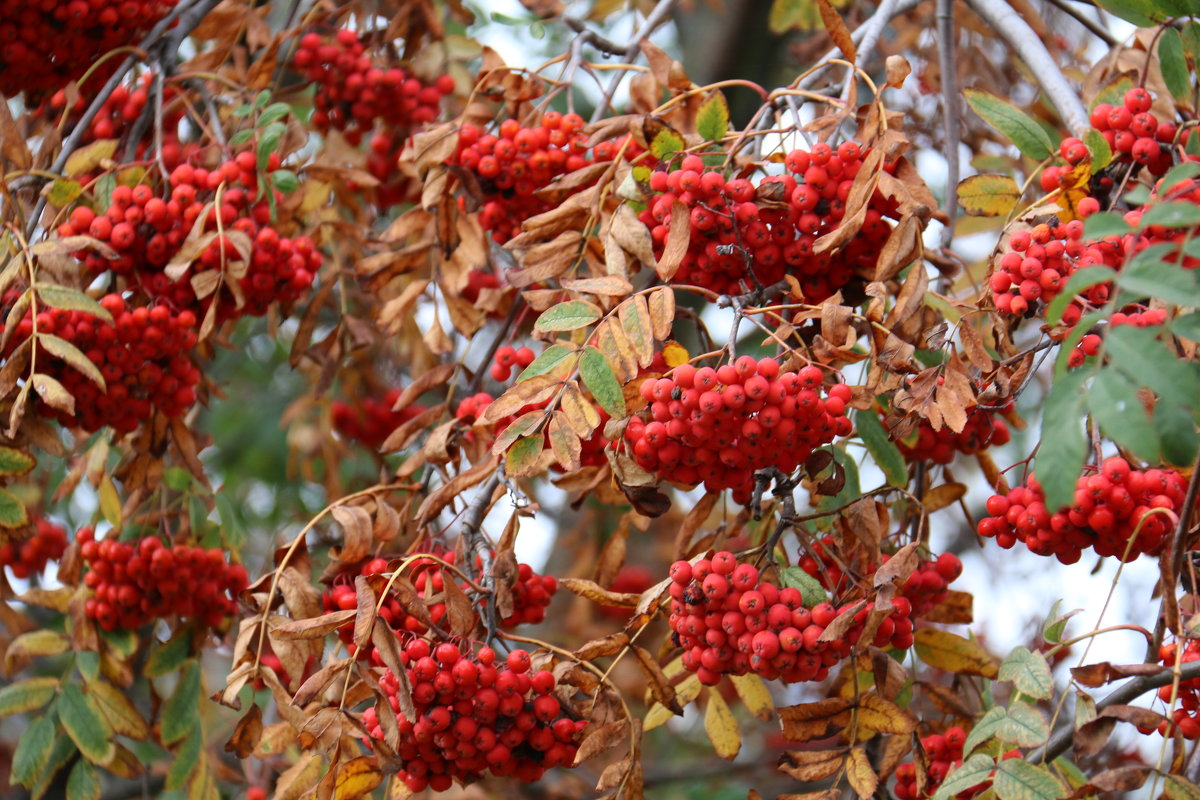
pixel 135 582
pixel 44 45
pixel 1186 716
pixel 983 430
pixel 1037 263
pixel 718 426
pixel 142 355
pixel 474 715
pixel 369 421
pixel 531 594
pixel 506 358
pixel 353 91
pixel 29 557
pixel 249 264
pixel 741 232
pixel 1112 514
pixel 1089 345
pixel 945 752
pixel 728 621
pixel 512 167
pixel 925 588
pixel 1133 132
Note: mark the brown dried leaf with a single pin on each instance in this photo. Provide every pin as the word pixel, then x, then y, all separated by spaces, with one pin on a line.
pixel 1094 675
pixel 439 498
pixel 659 684
pixel 676 246
pixel 314 628
pixel 247 733
pixel 602 738
pixel 598 594
pixel 807 721
pixel 941 496
pixel 635 320
pixel 811 765
pixel 459 611
pixel 356 528
pixel 605 646
pixel 956 609
pixel 859 773
pixel 837 29
pixel 528 392
pixel 632 235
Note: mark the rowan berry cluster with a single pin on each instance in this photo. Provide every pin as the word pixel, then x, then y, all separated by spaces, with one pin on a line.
pixel 945 752
pixel 120 111
pixel 729 621
pixel 1113 513
pixel 1186 715
pixel 984 429
pixel 925 588
pixel 1089 345
pixel 353 91
pixel 142 355
pixel 43 45
pixel 369 421
pixel 135 582
pixel 240 257
pixel 30 556
pixel 740 232
pixel 512 167
pixel 475 715
pixel 531 594
pixel 1037 263
pixel 718 426
pixel 506 358
pixel 1134 133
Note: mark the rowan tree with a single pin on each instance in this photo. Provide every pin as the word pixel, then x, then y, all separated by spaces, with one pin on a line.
pixel 313 311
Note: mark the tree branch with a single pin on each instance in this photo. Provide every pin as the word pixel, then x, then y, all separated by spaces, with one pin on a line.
pixel 1029 48
pixel 1093 26
pixel 1060 742
pixel 948 63
pixel 657 17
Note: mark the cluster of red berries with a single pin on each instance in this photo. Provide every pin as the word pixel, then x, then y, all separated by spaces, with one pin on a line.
pixel 45 44
pixel 944 752
pixel 512 167
pixel 475 716
pixel 142 356
pixel 506 358
pixel 728 621
pixel 147 232
pixel 984 429
pixel 119 112
pixel 925 588
pixel 1138 316
pixel 353 91
pixel 1186 715
pixel 370 421
pixel 718 426
pixel 1134 133
pixel 29 557
pixel 531 594
pixel 135 582
pixel 741 232
pixel 1113 513
pixel 1037 263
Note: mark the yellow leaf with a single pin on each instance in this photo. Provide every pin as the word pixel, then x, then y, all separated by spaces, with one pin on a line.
pixel 939 497
pixel 675 354
pixel 110 503
pixel 952 653
pixel 721 727
pixel 877 714
pixel 685 692
pixel 862 778
pixel 357 778
pixel 988 195
pixel 754 694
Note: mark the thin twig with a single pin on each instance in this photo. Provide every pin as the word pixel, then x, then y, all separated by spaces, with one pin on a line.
pixel 477 545
pixel 901 7
pixel 1060 742
pixel 1093 26
pixel 871 30
pixel 657 17
pixel 1029 47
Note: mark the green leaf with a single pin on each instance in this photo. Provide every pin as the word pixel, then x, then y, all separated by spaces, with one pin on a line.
pixel 83 783
pixel 1060 456
pixel 181 713
pixel 1153 277
pixel 523 455
pixel 84 723
pixel 1141 13
pixel 969 774
pixel 1173 63
pixel 546 361
pixel 88 664
pixel 17 698
pixel 599 379
pixel 33 750
pixel 12 510
pixel 1081 279
pixel 285 181
pixel 1178 174
pixel 985 729
pixel 810 588
pixel 102 192
pixel 1098 146
pixel 15 462
pixel 123 642
pixel 1179 214
pixel 881 447
pixel 1191 40
pixel 1139 353
pixel 1176 430
pixel 569 316
pixel 177 478
pixel 62 192
pixel 170 655
pixel 787 15
pixel 1113 402
pixel 665 144
pixel 1029 672
pixel 1177 787
pixel 64 751
pixel 1056 623
pixel 1017 779
pixel 275 111
pixel 241 137
pixel 71 354
pixel 185 760
pixel 72 300
pixel 262 98
pixel 712 120
pixel 1103 225
pixel 268 142
pixel 1021 129
pixel 233 531
pixel 1024 725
